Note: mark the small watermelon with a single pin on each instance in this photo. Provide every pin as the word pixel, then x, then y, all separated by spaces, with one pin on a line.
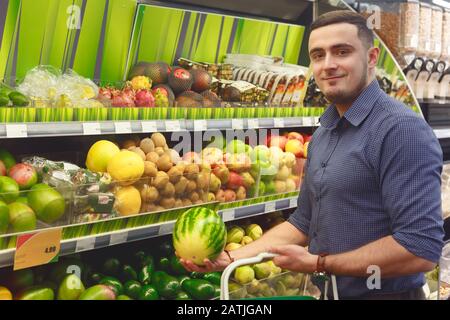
pixel 199 233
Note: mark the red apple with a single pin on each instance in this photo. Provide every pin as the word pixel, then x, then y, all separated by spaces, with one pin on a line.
pixel 24 174
pixel 230 195
pixel 307 137
pixel 295 136
pixel 2 168
pixel 295 147
pixel 278 141
pixel 235 181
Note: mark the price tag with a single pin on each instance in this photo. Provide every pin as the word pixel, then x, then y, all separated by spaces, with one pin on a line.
pixel 117 238
pixel 237 124
pixel 278 122
pixel 173 126
pixel 166 228
pixel 122 127
pixel 228 215
pixel 149 126
pixel 308 121
pixel 37 248
pixel 16 131
pixel 85 244
pixel 253 123
pixel 91 128
pixel 200 125
pixel 293 203
pixel 270 207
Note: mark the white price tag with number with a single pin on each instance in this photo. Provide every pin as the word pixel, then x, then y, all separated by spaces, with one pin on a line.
pixel 253 123
pixel 117 238
pixel 91 128
pixel 173 126
pixel 278 122
pixel 200 125
pixel 270 207
pixel 293 203
pixel 166 228
pixel 308 121
pixel 122 127
pixel 16 131
pixel 237 124
pixel 85 244
pixel 228 215
pixel 149 126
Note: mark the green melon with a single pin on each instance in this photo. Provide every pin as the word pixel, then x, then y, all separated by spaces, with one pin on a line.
pixel 199 233
pixel 47 203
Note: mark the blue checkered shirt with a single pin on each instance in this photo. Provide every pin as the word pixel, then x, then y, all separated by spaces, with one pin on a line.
pixel 372 173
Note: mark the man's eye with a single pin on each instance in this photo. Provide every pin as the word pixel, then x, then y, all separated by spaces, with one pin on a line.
pixel 342 52
pixel 317 56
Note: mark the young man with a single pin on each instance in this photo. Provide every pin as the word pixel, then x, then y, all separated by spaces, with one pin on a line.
pixel 371 193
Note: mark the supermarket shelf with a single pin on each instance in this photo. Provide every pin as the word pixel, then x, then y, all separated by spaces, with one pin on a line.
pixel 442 133
pixel 71 246
pixel 54 129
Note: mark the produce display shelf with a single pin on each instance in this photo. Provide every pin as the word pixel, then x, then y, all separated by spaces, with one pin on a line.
pixel 102 240
pixel 53 129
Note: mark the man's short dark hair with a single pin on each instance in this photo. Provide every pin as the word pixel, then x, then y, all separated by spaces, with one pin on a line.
pixel 344 16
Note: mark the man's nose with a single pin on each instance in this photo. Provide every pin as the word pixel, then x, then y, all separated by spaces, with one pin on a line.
pixel 329 62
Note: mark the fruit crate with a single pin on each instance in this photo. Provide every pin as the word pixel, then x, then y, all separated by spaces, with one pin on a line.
pixel 282 286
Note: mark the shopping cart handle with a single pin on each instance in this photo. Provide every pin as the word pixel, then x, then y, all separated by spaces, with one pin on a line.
pixel 224 294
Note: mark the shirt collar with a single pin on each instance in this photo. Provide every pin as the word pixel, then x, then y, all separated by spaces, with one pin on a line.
pixel 358 111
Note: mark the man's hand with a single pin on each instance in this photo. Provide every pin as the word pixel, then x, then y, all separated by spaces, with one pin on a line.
pixel 220 263
pixel 294 258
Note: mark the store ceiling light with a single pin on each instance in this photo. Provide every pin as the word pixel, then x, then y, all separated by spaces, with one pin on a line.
pixel 442 3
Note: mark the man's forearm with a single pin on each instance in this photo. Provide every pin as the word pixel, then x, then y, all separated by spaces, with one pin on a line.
pixel 386 253
pixel 284 233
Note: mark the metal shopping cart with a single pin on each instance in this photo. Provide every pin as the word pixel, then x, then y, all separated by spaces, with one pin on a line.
pixel 278 287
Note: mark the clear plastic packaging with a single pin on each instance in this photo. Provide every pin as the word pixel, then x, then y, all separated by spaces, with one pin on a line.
pixel 445 54
pixel 436 32
pixel 409 26
pixel 424 48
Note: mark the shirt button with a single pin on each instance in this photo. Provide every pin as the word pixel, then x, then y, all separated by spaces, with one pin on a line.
pixel 334 132
pixel 318 198
pixel 323 164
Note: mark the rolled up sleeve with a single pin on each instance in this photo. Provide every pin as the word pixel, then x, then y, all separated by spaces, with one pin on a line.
pixel 410 178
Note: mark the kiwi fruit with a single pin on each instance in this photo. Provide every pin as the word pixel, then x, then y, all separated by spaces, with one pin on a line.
pixel 191 171
pixel 178 203
pixel 194 196
pixel 160 180
pixel 167 203
pixel 191 186
pixel 168 190
pixel 180 186
pixel 147 145
pixel 201 80
pixel 164 163
pixel 149 193
pixel 160 151
pixel 159 140
pixel 175 174
pixel 231 94
pixel 139 152
pixel 150 169
pixel 152 157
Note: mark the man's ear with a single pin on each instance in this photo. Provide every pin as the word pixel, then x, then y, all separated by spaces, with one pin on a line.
pixel 373 55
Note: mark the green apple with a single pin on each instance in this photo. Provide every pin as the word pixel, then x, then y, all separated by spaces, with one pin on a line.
pixel 9 189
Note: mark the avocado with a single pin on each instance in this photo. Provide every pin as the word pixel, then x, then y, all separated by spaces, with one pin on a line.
pixel 167 285
pixel 148 292
pixel 199 289
pixel 114 284
pixel 18 99
pixel 132 289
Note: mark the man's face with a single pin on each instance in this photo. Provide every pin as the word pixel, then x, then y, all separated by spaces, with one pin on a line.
pixel 340 62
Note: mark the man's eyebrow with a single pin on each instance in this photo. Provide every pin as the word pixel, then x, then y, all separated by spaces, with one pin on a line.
pixel 333 47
